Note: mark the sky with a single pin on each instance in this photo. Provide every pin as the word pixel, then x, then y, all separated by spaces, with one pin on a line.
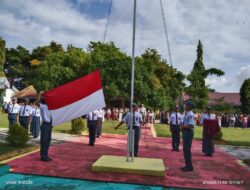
pixel 223 27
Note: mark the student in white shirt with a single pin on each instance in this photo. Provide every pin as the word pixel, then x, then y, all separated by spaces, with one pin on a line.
pixel 13 112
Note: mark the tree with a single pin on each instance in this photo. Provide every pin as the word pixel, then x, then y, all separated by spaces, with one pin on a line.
pixel 115 69
pixel 157 85
pixel 2 56
pixel 197 88
pixel 40 53
pixel 17 65
pixel 245 96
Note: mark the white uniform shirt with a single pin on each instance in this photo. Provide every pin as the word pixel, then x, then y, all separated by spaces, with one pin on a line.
pixel 6 105
pixel 27 111
pixel 207 116
pixel 36 112
pixel 173 118
pixel 143 111
pixel 45 113
pixel 137 120
pixel 100 113
pixel 189 119
pixel 14 108
pixel 92 116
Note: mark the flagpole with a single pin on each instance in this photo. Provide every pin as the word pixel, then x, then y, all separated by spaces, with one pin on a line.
pixel 130 151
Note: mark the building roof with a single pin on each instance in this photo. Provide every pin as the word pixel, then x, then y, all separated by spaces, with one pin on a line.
pixel 216 98
pixel 30 91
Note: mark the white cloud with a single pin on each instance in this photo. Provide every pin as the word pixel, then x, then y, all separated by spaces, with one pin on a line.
pixel 222 26
pixel 244 73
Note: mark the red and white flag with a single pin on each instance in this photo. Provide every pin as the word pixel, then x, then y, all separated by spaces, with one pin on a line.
pixel 75 98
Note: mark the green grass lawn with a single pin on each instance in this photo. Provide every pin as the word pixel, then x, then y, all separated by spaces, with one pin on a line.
pixel 7 148
pixel 231 136
pixel 107 127
pixel 4 123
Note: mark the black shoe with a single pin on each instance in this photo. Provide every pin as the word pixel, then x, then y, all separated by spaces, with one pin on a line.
pixel 45 159
pixel 172 150
pixel 182 168
pixel 90 144
pixel 209 155
pixel 187 169
pixel 177 150
pixel 49 159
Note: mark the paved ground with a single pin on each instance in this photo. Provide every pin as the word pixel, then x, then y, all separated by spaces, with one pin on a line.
pixel 240 152
pixel 74 159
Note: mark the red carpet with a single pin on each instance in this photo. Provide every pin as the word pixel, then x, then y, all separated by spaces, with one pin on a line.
pixel 74 160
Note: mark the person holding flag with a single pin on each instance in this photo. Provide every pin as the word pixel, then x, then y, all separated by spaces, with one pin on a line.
pixel 46 129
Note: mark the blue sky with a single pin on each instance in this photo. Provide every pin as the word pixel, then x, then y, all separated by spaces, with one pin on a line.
pixel 223 27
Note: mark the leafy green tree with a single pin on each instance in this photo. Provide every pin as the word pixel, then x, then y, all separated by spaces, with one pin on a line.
pixel 162 83
pixel 17 65
pixel 245 96
pixel 55 47
pixel 40 53
pixel 157 85
pixel 197 89
pixel 115 68
pixel 2 56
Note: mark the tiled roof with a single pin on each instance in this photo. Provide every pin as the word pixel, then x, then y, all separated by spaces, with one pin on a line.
pixel 230 98
pixel 30 91
pixel 216 98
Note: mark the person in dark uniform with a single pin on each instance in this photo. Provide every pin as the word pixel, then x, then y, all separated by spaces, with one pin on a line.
pixel 136 126
pixel 187 136
pixel 92 119
pixel 207 141
pixel 13 112
pixel 175 122
pixel 25 114
pixel 46 129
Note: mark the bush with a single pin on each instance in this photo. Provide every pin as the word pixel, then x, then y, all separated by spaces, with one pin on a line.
pixel 17 135
pixel 219 135
pixel 77 126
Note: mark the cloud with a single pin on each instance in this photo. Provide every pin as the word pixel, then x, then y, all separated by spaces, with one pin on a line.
pixel 244 73
pixel 222 26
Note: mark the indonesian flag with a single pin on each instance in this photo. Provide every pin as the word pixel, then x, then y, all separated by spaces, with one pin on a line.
pixel 76 98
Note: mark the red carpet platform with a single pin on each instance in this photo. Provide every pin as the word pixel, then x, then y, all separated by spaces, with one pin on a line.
pixel 74 160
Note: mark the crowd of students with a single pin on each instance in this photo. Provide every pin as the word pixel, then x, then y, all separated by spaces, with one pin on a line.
pixel 224 119
pixel 118 113
pixel 24 112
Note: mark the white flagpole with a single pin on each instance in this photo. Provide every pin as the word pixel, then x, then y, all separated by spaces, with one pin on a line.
pixel 130 150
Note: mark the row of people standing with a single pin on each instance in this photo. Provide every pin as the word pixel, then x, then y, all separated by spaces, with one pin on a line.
pixel 38 116
pixel 26 114
pixel 235 120
pixel 177 121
